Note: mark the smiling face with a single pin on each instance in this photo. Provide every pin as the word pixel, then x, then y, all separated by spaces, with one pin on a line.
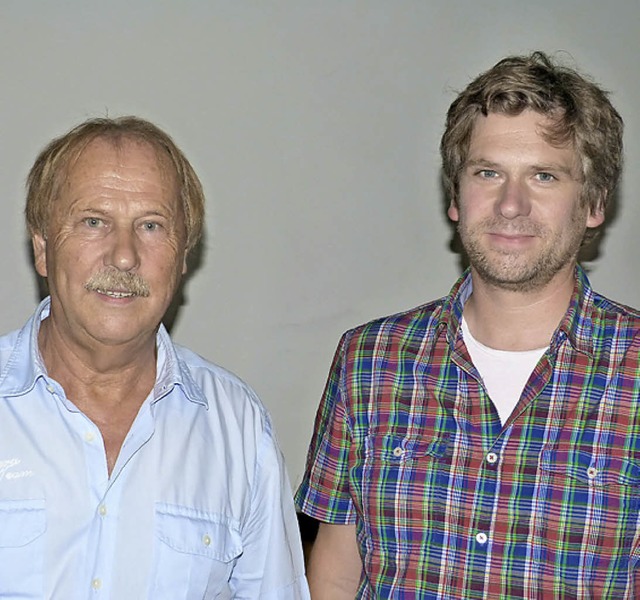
pixel 114 250
pixel 519 213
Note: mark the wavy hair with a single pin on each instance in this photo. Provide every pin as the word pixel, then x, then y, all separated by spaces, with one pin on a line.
pixel 52 166
pixel 579 112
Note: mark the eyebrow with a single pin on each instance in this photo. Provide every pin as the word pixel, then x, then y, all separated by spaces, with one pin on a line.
pixel 488 164
pixel 105 212
pixel 480 162
pixel 89 209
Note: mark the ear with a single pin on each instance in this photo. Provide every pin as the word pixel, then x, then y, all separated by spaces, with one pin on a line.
pixel 453 212
pixel 39 253
pixel 596 216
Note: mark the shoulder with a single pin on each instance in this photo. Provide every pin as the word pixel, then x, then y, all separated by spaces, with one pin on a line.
pixel 202 369
pixel 406 328
pixel 604 315
pixel 19 355
pixel 8 344
pixel 611 308
pixel 614 317
pixel 221 390
pixel 18 368
pixel 611 329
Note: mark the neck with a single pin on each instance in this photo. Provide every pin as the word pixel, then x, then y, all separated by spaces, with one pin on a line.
pixel 515 320
pixel 98 374
pixel 108 384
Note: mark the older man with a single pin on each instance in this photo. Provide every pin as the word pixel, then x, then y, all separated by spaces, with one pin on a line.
pixel 487 444
pixel 130 467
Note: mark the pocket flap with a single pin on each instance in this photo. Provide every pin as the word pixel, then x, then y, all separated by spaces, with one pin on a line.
pixel 591 469
pixel 192 531
pixel 398 449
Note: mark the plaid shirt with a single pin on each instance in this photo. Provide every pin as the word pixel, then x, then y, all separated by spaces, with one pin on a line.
pixel 447 502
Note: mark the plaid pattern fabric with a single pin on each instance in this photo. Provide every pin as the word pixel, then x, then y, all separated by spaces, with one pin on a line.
pixel 450 504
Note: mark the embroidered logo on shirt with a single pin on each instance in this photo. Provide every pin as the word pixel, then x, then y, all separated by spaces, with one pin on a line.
pixel 9 470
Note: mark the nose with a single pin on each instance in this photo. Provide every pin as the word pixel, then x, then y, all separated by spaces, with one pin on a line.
pixel 514 200
pixel 123 251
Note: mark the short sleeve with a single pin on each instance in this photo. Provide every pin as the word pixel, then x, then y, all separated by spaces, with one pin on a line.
pixel 324 493
pixel 272 565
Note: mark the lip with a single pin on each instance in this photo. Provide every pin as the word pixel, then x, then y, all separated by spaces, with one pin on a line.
pixel 511 239
pixel 117 295
pixel 511 242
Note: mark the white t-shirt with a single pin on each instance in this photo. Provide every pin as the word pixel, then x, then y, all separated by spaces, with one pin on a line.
pixel 503 372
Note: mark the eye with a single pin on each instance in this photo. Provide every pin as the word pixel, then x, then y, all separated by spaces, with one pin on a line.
pixel 487 173
pixel 150 226
pixel 93 222
pixel 545 177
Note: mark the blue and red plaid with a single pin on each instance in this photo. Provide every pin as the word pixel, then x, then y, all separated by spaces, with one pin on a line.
pixel 450 504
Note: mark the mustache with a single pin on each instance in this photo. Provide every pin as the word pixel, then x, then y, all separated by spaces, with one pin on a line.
pixel 513 227
pixel 119 281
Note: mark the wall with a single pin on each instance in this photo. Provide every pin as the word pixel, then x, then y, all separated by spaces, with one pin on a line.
pixel 314 126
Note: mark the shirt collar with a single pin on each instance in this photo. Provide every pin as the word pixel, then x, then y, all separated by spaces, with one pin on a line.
pixel 25 365
pixel 576 326
pixel 451 317
pixel 577 323
pixel 172 371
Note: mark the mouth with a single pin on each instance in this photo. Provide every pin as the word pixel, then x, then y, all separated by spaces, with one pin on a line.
pixel 512 233
pixel 118 285
pixel 512 236
pixel 115 293
pixel 511 243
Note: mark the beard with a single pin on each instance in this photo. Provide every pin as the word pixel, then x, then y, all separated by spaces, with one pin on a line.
pixel 522 270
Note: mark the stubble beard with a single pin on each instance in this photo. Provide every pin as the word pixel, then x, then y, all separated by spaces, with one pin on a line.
pixel 522 271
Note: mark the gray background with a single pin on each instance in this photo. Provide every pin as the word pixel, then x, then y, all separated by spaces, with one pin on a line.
pixel 314 126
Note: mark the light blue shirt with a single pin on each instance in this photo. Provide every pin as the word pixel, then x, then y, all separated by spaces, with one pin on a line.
pixel 198 505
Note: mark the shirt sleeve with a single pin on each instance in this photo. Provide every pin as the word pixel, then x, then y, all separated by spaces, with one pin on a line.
pixel 272 565
pixel 324 493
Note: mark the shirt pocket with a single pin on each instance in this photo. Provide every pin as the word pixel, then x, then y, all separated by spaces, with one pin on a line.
pixel 587 505
pixel 401 477
pixel 194 554
pixel 22 546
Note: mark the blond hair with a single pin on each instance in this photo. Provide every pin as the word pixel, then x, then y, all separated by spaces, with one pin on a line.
pixel 53 164
pixel 579 112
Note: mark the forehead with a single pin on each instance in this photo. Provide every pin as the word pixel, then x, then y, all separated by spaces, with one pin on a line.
pixel 121 158
pixel 527 129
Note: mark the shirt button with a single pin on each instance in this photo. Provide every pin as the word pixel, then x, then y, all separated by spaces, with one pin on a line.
pixel 89 436
pixel 50 389
pixel 206 540
pixel 398 452
pixel 592 472
pixel 96 584
pixel 492 458
pixel 481 538
pixel 102 510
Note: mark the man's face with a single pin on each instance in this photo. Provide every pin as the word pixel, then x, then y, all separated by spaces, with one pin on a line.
pixel 519 212
pixel 117 215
